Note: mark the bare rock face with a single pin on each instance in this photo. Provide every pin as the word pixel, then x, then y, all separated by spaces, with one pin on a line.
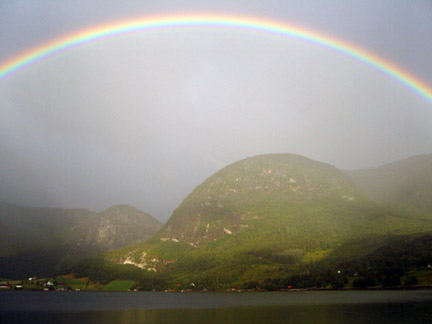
pixel 115 228
pixel 122 225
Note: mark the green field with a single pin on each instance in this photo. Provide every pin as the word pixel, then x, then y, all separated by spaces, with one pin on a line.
pixel 75 284
pixel 120 285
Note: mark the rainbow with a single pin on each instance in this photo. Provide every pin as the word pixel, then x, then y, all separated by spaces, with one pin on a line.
pixel 136 25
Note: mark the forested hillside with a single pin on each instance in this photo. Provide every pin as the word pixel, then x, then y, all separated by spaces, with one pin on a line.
pixel 257 223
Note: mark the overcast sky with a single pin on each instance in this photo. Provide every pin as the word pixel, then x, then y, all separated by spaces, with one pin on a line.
pixel 143 118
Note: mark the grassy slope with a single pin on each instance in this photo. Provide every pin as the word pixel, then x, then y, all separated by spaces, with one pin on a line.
pixel 281 212
pixel 120 285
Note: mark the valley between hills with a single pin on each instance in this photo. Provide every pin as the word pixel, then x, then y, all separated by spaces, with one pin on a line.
pixel 276 221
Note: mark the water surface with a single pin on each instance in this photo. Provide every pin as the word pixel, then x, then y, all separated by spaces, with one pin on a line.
pixel 409 306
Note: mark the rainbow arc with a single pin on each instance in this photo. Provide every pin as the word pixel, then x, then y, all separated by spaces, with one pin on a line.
pixel 263 26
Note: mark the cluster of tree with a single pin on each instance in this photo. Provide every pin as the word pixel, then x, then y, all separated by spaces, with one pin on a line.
pixel 387 266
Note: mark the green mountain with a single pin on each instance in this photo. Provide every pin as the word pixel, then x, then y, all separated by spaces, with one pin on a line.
pixel 41 241
pixel 257 220
pixel 404 186
pixel 280 197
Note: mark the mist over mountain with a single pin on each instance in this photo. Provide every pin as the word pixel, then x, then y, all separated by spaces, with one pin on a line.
pixel 248 194
pixel 266 221
pixel 42 241
pixel 404 185
pixel 265 217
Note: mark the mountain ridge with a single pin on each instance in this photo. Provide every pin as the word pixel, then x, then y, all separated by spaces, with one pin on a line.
pixel 262 214
pixel 275 219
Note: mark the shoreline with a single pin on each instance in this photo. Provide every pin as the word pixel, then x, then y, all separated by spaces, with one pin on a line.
pixel 293 290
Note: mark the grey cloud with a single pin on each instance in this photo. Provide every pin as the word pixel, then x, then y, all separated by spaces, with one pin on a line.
pixel 144 118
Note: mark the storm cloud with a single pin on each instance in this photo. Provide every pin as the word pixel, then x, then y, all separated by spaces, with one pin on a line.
pixel 145 117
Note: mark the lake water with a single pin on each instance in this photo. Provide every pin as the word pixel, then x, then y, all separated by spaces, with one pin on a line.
pixel 407 306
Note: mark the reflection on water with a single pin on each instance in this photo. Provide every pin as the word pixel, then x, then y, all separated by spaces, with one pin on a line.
pixel 376 307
